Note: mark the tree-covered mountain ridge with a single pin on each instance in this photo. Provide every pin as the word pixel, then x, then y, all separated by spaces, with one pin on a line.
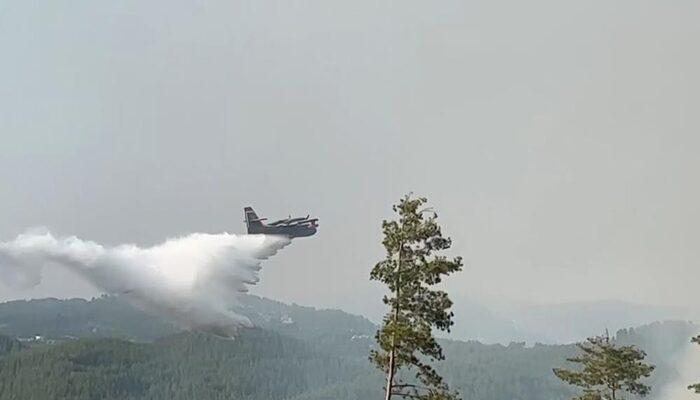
pixel 106 349
pixel 115 317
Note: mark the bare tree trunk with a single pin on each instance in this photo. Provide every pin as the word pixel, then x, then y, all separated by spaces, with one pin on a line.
pixel 392 352
pixel 390 375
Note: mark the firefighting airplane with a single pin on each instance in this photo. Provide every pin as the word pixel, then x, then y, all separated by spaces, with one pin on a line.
pixel 291 227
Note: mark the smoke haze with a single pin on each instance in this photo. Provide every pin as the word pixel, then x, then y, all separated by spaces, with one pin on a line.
pixel 193 279
pixel 689 373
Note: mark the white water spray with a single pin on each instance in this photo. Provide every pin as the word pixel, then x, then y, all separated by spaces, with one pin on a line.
pixel 194 279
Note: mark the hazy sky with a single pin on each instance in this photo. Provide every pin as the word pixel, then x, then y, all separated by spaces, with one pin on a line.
pixel 558 140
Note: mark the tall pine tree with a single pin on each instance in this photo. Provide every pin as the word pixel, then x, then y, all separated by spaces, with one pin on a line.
pixel 410 270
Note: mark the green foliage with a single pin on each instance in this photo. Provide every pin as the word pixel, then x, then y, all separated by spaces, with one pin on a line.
pixel 608 370
pixel 409 270
pixel 256 365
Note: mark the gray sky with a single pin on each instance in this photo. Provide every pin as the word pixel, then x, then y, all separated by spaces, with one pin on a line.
pixel 558 140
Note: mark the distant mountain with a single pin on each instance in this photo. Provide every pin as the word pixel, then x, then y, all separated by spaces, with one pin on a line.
pixel 100 317
pixel 474 321
pixel 557 323
pixel 306 323
pixel 114 317
pixel 573 322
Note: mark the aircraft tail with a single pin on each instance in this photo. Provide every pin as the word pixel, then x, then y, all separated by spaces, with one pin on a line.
pixel 251 218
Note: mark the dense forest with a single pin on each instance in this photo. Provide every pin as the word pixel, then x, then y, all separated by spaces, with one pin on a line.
pixel 106 349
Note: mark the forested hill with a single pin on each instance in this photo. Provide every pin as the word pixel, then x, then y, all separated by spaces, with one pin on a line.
pixel 106 349
pixel 257 365
pixel 114 317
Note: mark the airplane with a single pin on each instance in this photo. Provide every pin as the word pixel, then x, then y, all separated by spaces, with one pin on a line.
pixel 291 227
